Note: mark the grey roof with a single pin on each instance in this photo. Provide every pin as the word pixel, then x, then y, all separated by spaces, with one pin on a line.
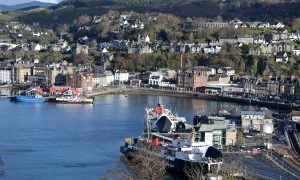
pixel 212 127
pixel 252 113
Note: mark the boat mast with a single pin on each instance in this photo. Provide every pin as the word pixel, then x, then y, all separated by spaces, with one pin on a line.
pixel 147 124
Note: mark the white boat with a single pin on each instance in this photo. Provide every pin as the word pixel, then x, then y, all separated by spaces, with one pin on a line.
pixel 74 100
pixel 162 120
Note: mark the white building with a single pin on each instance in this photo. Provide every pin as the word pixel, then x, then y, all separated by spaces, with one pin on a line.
pixel 5 76
pixel 212 50
pixel 252 120
pixel 155 79
pixel 99 80
pixel 216 131
pixel 110 78
pixel 121 76
pixel 296 52
pixel 282 57
pixel 229 71
pixel 278 25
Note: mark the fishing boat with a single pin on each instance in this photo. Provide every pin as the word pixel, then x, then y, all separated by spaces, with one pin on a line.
pixel 32 95
pixel 74 100
pixel 179 150
pixel 29 98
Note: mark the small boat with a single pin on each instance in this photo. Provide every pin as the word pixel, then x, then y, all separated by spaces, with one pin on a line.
pixel 28 99
pixel 32 95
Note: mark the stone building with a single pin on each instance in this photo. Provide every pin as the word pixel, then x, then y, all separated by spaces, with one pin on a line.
pixel 83 80
pixel 192 78
pixel 21 72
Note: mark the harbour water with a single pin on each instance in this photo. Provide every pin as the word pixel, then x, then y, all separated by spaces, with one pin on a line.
pixel 67 141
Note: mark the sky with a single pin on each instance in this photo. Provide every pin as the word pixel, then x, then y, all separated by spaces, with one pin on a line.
pixel 12 2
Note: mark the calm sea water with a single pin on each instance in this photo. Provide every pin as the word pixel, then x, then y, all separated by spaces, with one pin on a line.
pixel 59 141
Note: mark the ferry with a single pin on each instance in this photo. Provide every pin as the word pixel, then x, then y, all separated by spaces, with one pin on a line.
pixel 74 100
pixel 179 150
pixel 163 120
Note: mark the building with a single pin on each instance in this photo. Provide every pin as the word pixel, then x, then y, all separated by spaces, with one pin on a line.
pixel 80 49
pixel 99 80
pixel 245 39
pixel 60 80
pixel 21 72
pixel 218 79
pixel 229 71
pixel 267 87
pixel 56 74
pixel 192 78
pixel 280 35
pixel 121 76
pixel 155 79
pixel 216 131
pixel 135 82
pixel 81 80
pixel 5 75
pixel 295 116
pixel 110 78
pixel 252 120
pixel 204 25
pixel 282 58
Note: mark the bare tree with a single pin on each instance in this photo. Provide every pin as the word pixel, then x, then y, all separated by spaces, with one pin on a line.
pixel 146 165
pixel 139 165
pixel 194 171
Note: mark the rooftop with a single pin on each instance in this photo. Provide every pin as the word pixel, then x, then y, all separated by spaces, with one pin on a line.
pixel 252 113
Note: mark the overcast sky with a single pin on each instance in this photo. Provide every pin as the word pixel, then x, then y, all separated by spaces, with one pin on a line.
pixel 12 2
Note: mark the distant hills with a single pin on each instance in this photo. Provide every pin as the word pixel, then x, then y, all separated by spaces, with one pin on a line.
pixel 69 10
pixel 24 6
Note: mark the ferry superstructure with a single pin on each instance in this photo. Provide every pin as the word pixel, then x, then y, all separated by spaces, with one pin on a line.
pixel 180 150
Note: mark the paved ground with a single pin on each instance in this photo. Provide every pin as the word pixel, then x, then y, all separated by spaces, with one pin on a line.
pixel 260 166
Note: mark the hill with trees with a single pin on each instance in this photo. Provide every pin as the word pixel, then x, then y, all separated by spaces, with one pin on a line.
pixel 69 10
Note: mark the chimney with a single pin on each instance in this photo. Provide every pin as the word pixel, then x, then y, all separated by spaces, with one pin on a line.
pixel 181 57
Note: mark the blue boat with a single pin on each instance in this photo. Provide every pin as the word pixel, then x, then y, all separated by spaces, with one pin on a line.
pixel 32 95
pixel 29 99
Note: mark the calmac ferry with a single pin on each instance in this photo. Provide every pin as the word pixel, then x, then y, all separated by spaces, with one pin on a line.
pixel 178 151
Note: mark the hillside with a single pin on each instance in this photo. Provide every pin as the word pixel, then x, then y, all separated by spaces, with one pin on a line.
pixel 24 5
pixel 69 10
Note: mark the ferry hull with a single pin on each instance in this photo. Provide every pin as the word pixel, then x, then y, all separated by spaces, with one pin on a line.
pixel 176 165
pixel 27 99
pixel 70 101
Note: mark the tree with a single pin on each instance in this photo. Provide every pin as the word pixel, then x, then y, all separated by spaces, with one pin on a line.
pixel 82 59
pixel 93 43
pixel 142 164
pixel 296 24
pixel 194 171
pixel 49 58
pixel 46 39
pixel 83 21
pixel 63 29
pixel 146 165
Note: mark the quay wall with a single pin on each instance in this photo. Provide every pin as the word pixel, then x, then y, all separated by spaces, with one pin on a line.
pixel 164 92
